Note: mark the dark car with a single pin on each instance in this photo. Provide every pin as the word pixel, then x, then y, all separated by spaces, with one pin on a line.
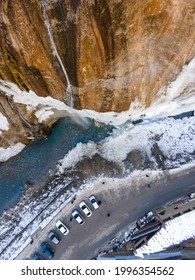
pixel 54 237
pixel 47 251
pixel 36 256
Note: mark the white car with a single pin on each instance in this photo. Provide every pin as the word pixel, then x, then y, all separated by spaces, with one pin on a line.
pixel 94 202
pixel 77 217
pixel 64 230
pixel 85 208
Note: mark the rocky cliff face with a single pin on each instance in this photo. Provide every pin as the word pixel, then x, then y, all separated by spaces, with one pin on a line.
pixel 114 51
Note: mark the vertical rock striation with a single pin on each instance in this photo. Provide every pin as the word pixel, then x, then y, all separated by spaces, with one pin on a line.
pixel 26 53
pixel 114 51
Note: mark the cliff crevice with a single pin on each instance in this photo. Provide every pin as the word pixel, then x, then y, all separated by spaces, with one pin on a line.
pixel 114 52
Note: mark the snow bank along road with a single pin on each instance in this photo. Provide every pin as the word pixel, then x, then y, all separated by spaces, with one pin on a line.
pixel 125 205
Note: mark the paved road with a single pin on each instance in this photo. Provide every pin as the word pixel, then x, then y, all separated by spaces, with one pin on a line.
pixel 125 205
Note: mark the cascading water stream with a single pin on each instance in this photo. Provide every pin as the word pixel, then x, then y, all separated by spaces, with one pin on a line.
pixel 68 97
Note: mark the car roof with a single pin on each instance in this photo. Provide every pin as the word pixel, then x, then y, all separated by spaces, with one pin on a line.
pixel 80 218
pixel 36 256
pixel 51 233
pixel 94 201
pixel 92 197
pixel 75 212
pixel 82 203
pixel 59 222
pixel 43 245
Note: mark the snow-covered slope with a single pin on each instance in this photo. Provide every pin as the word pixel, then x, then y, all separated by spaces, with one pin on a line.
pixel 171 140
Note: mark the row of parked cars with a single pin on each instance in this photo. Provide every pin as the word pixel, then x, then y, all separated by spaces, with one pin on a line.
pixel 55 238
pixel 85 209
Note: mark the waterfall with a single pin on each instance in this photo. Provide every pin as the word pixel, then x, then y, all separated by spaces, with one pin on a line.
pixel 68 96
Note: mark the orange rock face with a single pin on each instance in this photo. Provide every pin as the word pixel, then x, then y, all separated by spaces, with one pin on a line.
pixel 130 49
pixel 114 51
pixel 26 54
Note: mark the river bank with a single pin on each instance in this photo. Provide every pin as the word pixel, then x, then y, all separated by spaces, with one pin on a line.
pixel 117 156
pixel 34 163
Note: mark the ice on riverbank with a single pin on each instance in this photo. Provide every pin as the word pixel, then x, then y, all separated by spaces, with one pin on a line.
pixel 175 140
pixel 4 125
pixel 43 107
pixel 6 153
pixel 177 97
pixel 172 140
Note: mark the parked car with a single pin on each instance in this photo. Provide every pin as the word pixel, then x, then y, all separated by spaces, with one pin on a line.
pixel 94 202
pixel 54 237
pixel 147 218
pixel 61 226
pixel 150 216
pixel 37 256
pixel 78 217
pixel 141 222
pixel 85 208
pixel 47 251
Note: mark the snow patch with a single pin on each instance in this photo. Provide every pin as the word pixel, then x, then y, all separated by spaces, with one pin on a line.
pixel 35 215
pixel 44 114
pixel 176 98
pixel 173 137
pixel 43 107
pixel 184 84
pixel 4 125
pixel 77 154
pixel 11 151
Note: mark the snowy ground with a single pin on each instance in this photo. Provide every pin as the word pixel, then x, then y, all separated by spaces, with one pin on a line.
pixel 172 233
pixel 174 137
pixel 34 214
pixel 166 142
pixel 175 98
pixel 4 125
pixel 175 140
pixel 11 151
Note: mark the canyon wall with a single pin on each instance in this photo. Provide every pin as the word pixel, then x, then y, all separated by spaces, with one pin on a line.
pixel 114 51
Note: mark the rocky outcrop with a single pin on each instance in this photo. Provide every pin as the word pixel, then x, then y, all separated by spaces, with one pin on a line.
pixel 130 49
pixel 26 56
pixel 114 52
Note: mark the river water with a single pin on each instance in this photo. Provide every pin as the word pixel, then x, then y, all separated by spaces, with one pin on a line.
pixel 35 161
